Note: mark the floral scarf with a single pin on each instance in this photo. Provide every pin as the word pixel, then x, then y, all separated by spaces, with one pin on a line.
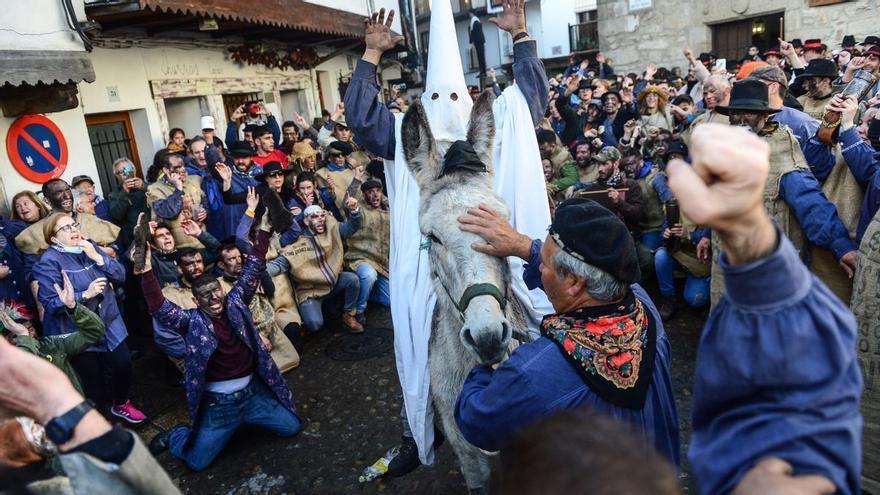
pixel 612 346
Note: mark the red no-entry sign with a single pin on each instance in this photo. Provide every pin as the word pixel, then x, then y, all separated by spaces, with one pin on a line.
pixel 36 148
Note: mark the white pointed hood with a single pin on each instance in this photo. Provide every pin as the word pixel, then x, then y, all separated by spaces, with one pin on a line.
pixel 445 79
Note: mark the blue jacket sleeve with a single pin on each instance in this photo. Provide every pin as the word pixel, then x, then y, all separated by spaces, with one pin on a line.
pixel 170 207
pixel 273 126
pixel 494 405
pixel 869 206
pixel 862 160
pixel 231 133
pixel 368 117
pixel 112 269
pixel 661 186
pixel 820 157
pixel 815 214
pixel 532 268
pixel 242 233
pixel 529 74
pixel 290 235
pixel 47 273
pixel 795 397
pixel 278 266
pixel 255 263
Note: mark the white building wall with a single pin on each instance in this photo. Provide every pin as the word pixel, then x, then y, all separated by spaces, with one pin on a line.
pixel 554 19
pixel 37 25
pixel 362 7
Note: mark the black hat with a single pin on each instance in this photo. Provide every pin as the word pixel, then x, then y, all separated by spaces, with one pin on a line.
pixel 261 130
pixel 871 40
pixel 370 184
pixel 611 92
pixel 80 178
pixel 676 147
pixel 815 44
pixel 251 128
pixel 797 43
pixel 242 149
pixel 706 57
pixel 848 40
pixel 271 168
pixel 341 146
pixel 819 67
pixel 585 84
pixel 593 234
pixel 748 95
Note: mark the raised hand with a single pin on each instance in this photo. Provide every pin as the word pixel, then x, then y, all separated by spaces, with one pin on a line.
pixel 573 85
pixel 65 294
pixel 174 179
pixel 300 120
pixel 787 49
pixel 688 54
pixel 89 250
pixel 253 199
pixel 650 70
pixel 238 113
pixel 338 112
pixel 191 228
pixel 512 18
pixel 351 204
pixel 12 325
pixel 847 107
pixel 378 36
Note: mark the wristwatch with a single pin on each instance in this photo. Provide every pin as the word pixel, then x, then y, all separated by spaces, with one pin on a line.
pixel 60 429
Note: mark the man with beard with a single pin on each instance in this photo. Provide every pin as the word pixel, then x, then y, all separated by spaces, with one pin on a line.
pixel 177 196
pixel 231 378
pixel 646 174
pixel 164 249
pixel 792 194
pixel 869 61
pixel 338 173
pixel 564 168
pixel 316 261
pixel 588 169
pixel 31 241
pixel 614 190
pixel 244 173
pixel 813 87
pixel 367 250
pixel 619 109
pixel 716 91
pixel 230 264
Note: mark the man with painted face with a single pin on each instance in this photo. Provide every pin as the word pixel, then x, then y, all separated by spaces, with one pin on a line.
pixel 614 190
pixel 792 194
pixel 588 169
pixel 446 102
pixel 177 196
pixel 619 109
pixel 59 195
pixel 367 250
pixel 231 378
pixel 813 87
pixel 316 262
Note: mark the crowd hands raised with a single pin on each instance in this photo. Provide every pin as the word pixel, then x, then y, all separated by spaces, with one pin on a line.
pixel 233 247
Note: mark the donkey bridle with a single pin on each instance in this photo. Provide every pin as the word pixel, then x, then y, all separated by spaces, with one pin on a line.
pixel 483 289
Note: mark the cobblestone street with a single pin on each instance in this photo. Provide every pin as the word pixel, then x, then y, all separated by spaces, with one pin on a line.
pixel 350 411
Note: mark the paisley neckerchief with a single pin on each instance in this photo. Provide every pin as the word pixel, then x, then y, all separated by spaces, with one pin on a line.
pixel 615 180
pixel 612 346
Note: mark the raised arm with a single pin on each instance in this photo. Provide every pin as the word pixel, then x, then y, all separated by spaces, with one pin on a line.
pixel 254 265
pixel 366 114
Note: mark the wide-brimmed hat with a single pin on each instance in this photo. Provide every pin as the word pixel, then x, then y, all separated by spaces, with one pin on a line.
pixel 818 67
pixel 871 40
pixel 848 40
pixel 874 50
pixel 772 51
pixel 656 90
pixel 242 149
pixel 340 146
pixel 675 147
pixel 301 151
pixel 272 168
pixel 341 121
pixel 815 44
pixel 748 95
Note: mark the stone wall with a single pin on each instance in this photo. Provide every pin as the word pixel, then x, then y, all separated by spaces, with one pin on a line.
pixel 658 34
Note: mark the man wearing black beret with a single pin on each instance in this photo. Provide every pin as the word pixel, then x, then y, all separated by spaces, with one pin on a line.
pixel 604 347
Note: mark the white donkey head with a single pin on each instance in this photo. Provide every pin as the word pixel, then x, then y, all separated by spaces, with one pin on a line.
pixel 472 286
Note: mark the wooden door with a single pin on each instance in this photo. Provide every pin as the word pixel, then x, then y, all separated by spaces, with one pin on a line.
pixel 112 137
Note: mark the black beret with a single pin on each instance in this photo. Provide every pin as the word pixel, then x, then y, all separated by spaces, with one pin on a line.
pixel 342 147
pixel 585 84
pixel 593 234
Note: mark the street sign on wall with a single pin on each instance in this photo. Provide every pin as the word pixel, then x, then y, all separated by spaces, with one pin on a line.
pixel 37 148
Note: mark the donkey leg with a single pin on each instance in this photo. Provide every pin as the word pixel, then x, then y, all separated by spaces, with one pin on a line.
pixel 474 463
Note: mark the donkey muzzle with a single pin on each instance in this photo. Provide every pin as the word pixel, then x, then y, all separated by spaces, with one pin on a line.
pixel 486 332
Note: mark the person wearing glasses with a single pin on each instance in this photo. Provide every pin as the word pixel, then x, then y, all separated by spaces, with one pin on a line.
pixel 91 272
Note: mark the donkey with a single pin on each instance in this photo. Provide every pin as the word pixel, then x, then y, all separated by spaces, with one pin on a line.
pixel 476 311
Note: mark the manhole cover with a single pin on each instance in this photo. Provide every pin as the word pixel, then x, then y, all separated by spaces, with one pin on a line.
pixel 374 342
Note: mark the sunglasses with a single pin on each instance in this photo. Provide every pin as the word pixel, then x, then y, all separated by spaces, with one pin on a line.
pixel 336 155
pixel 68 228
pixel 274 174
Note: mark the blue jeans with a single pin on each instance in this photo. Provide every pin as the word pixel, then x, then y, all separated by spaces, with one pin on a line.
pixel 651 239
pixel 696 289
pixel 311 309
pixel 374 287
pixel 221 414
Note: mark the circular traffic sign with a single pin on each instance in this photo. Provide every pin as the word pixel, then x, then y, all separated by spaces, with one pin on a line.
pixel 36 148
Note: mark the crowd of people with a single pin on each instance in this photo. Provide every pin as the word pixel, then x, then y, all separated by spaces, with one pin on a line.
pixel 240 249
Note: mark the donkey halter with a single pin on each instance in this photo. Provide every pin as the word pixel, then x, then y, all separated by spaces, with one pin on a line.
pixel 476 290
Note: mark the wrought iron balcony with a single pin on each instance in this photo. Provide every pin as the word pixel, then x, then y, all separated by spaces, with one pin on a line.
pixel 583 37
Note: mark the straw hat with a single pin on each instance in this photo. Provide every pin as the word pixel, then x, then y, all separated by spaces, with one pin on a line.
pixel 301 151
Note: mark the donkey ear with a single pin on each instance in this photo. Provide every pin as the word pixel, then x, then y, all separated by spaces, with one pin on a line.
pixel 481 128
pixel 419 147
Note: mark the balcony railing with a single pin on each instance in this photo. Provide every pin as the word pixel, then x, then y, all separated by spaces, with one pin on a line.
pixel 584 36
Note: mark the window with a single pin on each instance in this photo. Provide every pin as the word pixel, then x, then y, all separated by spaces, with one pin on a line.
pixel 111 137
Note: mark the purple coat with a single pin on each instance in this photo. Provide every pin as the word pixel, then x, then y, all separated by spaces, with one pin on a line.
pixel 198 333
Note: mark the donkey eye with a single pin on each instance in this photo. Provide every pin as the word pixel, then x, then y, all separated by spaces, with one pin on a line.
pixel 453 97
pixel 435 96
pixel 434 239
